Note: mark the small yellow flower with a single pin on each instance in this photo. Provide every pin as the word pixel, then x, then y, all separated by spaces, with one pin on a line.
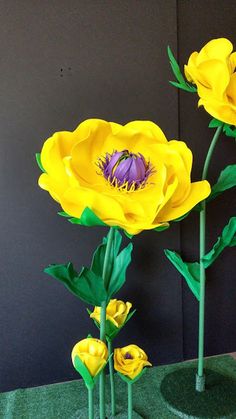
pixel 93 353
pixel 213 71
pixel 130 360
pixel 129 176
pixel 116 312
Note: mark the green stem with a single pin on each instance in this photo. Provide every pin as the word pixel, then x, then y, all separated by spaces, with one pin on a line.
pixel 200 379
pixel 130 400
pixel 112 383
pixel 91 403
pixel 110 237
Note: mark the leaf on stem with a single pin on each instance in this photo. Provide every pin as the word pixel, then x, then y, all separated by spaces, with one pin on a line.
pixel 181 82
pixel 190 271
pixel 227 238
pixel 226 180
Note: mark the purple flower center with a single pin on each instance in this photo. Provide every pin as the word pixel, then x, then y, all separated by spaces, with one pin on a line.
pixel 125 170
pixel 128 356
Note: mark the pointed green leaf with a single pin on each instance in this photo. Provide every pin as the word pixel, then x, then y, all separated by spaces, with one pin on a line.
pixel 175 67
pixel 184 87
pixel 118 275
pixel 86 285
pixel 38 160
pixel 129 380
pixel 130 236
pixel 88 218
pixel 162 227
pixel 84 372
pixel 64 214
pixel 215 123
pixel 227 238
pixel 230 132
pixel 182 84
pixel 190 271
pixel 226 180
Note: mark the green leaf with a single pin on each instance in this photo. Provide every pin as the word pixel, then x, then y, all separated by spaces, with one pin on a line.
pixel 230 132
pixel 128 380
pixel 182 217
pixel 86 285
pixel 118 274
pixel 190 271
pixel 64 214
pixel 215 123
pixel 130 236
pixel 84 372
pixel 88 219
pixel 38 160
pixel 162 227
pixel 182 84
pixel 226 180
pixel 184 87
pixel 227 238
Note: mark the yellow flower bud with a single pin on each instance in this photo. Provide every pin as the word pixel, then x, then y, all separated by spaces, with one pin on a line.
pixel 116 312
pixel 92 352
pixel 130 360
pixel 213 71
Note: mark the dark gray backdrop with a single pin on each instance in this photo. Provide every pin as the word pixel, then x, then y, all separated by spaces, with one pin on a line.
pixel 62 62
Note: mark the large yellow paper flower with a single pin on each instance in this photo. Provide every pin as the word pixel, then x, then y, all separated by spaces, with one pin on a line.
pixel 213 71
pixel 116 312
pixel 129 176
pixel 92 352
pixel 130 360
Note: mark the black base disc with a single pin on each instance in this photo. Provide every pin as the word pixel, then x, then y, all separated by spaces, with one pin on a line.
pixel 217 401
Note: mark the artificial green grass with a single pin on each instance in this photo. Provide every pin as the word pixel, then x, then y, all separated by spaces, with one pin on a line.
pixel 63 401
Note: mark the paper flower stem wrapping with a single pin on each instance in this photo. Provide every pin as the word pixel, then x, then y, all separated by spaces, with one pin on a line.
pixel 112 382
pixel 106 268
pixel 200 381
pixel 130 400
pixel 91 403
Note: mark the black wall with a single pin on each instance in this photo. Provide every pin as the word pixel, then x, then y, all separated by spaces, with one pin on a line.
pixel 60 63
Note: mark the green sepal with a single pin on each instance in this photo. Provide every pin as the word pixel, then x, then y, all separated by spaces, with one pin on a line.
pixel 182 217
pixel 86 285
pixel 226 180
pixel 64 214
pixel 88 218
pixel 215 123
pixel 130 236
pixel 128 380
pixel 190 271
pixel 229 132
pixel 162 227
pixel 182 84
pixel 227 238
pixel 111 330
pixel 39 163
pixel 84 372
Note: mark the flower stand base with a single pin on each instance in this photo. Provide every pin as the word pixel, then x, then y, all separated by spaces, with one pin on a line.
pixel 121 413
pixel 217 401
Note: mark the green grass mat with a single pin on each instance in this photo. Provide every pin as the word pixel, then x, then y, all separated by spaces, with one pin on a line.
pixel 62 401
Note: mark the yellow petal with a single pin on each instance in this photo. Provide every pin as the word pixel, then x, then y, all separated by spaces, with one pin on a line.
pixel 199 191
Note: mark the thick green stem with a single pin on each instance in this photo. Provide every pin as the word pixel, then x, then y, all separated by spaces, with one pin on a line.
pixel 112 383
pixel 91 403
pixel 130 400
pixel 110 237
pixel 200 379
